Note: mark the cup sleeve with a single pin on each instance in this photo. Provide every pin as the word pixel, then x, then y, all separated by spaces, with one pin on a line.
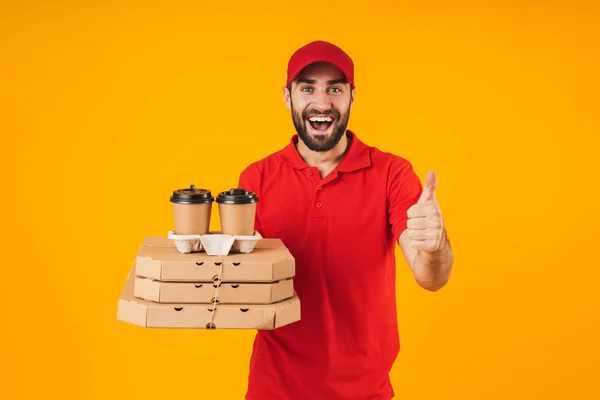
pixel 404 190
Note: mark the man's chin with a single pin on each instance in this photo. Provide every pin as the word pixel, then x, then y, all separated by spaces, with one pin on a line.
pixel 319 137
pixel 320 143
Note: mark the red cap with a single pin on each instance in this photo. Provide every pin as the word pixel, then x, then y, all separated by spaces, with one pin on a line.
pixel 320 51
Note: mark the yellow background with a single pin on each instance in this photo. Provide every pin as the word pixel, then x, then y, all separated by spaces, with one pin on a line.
pixel 107 107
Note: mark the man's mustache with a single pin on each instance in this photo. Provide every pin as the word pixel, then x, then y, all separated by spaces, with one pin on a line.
pixel 328 113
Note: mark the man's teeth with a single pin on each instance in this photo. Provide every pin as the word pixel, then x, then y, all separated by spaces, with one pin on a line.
pixel 320 119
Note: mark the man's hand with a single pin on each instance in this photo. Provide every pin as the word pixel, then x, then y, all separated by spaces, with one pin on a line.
pixel 425 224
pixel 424 242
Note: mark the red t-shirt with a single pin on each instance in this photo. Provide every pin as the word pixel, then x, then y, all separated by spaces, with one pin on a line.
pixel 342 230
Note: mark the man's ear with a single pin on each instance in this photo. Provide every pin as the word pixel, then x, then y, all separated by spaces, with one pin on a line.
pixel 287 97
pixel 352 93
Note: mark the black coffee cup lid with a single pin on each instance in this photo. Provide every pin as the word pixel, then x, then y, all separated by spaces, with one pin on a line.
pixel 237 196
pixel 192 195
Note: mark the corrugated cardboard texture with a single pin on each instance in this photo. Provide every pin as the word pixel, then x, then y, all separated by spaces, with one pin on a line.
pixel 159 259
pixel 204 292
pixel 226 316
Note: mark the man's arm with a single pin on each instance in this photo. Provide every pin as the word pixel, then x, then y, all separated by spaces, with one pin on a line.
pixel 425 242
pixel 430 269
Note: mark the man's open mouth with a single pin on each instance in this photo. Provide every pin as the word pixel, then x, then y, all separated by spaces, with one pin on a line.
pixel 320 123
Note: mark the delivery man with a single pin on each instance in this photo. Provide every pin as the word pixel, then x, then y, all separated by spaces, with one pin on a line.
pixel 341 207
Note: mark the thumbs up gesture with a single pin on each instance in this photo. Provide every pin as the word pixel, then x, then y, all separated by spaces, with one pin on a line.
pixel 425 224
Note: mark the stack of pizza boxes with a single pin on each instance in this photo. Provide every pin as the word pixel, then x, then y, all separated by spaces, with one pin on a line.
pixel 210 281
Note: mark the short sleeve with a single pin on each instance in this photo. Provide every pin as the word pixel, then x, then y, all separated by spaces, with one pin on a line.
pixel 250 180
pixel 404 190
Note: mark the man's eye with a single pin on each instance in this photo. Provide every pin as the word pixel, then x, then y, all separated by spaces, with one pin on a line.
pixel 335 89
pixel 306 89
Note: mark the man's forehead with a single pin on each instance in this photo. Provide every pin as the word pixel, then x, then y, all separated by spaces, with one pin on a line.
pixel 321 71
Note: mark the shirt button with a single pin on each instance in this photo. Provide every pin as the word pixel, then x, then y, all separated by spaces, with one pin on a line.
pixel 320 188
pixel 319 205
pixel 309 172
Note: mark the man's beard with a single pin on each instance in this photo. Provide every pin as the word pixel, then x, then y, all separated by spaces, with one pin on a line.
pixel 320 143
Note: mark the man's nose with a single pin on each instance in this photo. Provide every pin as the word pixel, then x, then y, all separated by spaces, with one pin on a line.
pixel 322 101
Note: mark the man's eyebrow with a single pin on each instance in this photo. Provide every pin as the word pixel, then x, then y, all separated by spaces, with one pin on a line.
pixel 336 81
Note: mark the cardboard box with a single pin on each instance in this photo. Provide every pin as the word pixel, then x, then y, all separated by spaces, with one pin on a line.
pixel 270 261
pixel 226 293
pixel 225 316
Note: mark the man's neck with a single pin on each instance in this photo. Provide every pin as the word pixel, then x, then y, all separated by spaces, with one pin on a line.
pixel 325 162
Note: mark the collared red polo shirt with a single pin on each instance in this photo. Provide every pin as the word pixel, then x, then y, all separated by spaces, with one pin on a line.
pixel 342 231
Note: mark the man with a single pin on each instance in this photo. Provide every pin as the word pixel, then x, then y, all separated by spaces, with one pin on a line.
pixel 340 207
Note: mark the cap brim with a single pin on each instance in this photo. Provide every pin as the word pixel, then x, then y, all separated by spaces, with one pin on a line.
pixel 302 66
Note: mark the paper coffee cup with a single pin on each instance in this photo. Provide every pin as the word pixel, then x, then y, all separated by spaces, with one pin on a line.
pixel 237 211
pixel 191 210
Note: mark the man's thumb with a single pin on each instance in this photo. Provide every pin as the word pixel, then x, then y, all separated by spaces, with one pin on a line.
pixel 429 187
